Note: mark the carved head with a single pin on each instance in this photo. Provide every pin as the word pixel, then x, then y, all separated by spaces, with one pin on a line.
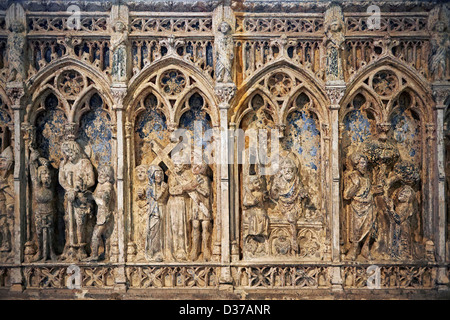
pixel 44 176
pixel 105 174
pixel 17 27
pixel 440 26
pixel 199 168
pixel 224 27
pixel 141 172
pixel 6 159
pixel 405 195
pixel 383 129
pixel 261 114
pixel 335 26
pixel 179 167
pixel 155 173
pixel 119 26
pixel 359 162
pixel 71 151
pixel 288 169
pixel 254 183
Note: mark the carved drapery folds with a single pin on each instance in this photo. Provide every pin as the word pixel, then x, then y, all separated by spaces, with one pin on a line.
pixel 384 164
pixel 258 149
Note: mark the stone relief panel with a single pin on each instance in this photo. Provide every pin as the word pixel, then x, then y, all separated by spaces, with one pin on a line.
pixel 173 183
pixel 383 173
pixel 145 160
pixel 70 158
pixel 283 214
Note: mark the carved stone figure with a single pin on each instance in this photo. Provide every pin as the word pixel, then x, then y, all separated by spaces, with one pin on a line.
pixel 361 212
pixel 140 210
pixel 178 205
pixel 438 23
pixel 16 52
pixel 288 191
pixel 334 42
pixel 381 154
pixel 103 197
pixel 44 197
pixel 76 176
pixel 157 193
pixel 224 54
pixel 200 191
pixel 119 48
pixel 259 132
pixel 6 203
pixel 403 210
pixel 255 213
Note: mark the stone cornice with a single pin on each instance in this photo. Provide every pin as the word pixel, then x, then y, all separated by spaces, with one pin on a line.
pixel 291 6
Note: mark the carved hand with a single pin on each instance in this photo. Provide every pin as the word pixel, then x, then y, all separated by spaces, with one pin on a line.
pixel 71 194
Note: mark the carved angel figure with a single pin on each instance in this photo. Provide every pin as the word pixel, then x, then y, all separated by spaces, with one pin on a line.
pixel 440 44
pixel 224 54
pixel 16 49
pixel 119 49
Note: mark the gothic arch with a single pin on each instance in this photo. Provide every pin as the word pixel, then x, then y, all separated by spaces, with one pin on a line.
pixel 196 81
pixel 372 103
pixel 409 78
pixel 93 81
pixel 134 109
pixel 81 105
pixel 138 81
pixel 247 108
pixel 313 105
pixel 37 107
pixel 309 80
pixel 100 79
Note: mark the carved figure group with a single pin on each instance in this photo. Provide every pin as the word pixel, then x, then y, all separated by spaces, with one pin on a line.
pixel 382 210
pixel 82 206
pixel 286 190
pixel 176 216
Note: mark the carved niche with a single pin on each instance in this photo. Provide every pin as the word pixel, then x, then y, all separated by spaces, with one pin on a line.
pixel 71 151
pixel 283 214
pixel 173 203
pixel 384 167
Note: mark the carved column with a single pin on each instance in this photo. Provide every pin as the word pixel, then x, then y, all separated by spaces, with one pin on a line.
pixel 335 93
pixel 121 70
pixel 16 92
pixel 28 132
pixel 225 93
pixel 15 88
pixel 129 224
pixel 223 24
pixel 119 92
pixel 441 92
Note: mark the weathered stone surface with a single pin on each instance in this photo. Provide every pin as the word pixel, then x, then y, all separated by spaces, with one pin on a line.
pixel 230 149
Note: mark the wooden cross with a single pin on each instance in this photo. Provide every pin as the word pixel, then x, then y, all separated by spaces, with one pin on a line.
pixel 162 155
